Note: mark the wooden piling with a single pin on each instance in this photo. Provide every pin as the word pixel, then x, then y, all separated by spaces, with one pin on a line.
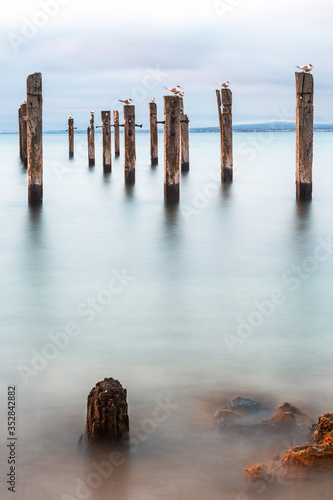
pixel 116 133
pixel 171 148
pixel 304 135
pixel 107 414
pixel 184 140
pixel 106 140
pixel 91 141
pixel 153 133
pixel 71 137
pixel 35 138
pixel 24 156
pixel 129 143
pixel 20 129
pixel 219 105
pixel 227 154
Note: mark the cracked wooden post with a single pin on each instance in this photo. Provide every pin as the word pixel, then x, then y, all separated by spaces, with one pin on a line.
pixel 91 140
pixel 227 154
pixel 35 138
pixel 106 139
pixel 24 134
pixel 171 148
pixel 184 140
pixel 129 143
pixel 116 133
pixel 71 136
pixel 153 133
pixel 107 414
pixel 304 135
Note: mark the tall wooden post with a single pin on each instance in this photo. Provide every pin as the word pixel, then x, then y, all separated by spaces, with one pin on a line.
pixel 184 140
pixel 106 139
pixel 35 138
pixel 24 134
pixel 129 143
pixel 171 148
pixel 91 140
pixel 71 137
pixel 153 133
pixel 219 105
pixel 116 133
pixel 227 155
pixel 20 130
pixel 304 135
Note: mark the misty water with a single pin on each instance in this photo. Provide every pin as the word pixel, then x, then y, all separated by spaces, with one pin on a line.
pixel 227 294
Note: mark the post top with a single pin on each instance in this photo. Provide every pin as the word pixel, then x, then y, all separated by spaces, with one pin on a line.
pixel 226 97
pixel 171 102
pixel 304 83
pixel 105 114
pixel 129 110
pixel 34 84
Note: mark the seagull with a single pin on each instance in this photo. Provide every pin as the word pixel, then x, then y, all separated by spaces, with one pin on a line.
pixel 126 101
pixel 224 85
pixel 92 111
pixel 70 116
pixel 24 101
pixel 305 69
pixel 152 99
pixel 174 90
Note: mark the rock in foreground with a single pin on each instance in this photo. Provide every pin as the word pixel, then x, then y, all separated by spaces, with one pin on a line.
pixel 300 462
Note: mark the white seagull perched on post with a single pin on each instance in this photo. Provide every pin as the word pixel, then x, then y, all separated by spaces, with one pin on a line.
pixel 126 101
pixel 175 90
pixel 224 85
pixel 92 111
pixel 70 116
pixel 306 68
pixel 152 99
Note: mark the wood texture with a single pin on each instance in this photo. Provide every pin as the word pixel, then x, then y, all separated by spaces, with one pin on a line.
pixel 129 143
pixel 35 138
pixel 304 135
pixel 106 140
pixel 171 148
pixel 153 133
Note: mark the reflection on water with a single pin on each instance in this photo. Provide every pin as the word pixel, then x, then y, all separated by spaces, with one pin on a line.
pixel 190 274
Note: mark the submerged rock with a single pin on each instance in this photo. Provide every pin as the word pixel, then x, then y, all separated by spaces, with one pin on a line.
pixel 287 420
pixel 245 405
pixel 300 462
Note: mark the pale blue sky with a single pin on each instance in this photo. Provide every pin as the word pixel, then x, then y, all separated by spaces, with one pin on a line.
pixel 93 53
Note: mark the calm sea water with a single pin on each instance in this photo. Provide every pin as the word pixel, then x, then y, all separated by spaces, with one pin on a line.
pixel 227 294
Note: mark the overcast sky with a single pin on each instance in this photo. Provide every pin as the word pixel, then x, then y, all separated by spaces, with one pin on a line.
pixel 92 53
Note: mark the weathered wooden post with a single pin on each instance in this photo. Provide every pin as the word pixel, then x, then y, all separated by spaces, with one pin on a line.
pixel 106 139
pixel 20 129
pixel 91 140
pixel 71 136
pixel 171 148
pixel 227 159
pixel 153 133
pixel 129 143
pixel 24 156
pixel 35 138
pixel 116 133
pixel 219 105
pixel 184 140
pixel 304 135
pixel 107 417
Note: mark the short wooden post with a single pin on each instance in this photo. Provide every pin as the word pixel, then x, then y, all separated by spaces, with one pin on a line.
pixel 304 135
pixel 107 414
pixel 129 143
pixel 35 138
pixel 227 155
pixel 91 140
pixel 116 133
pixel 153 133
pixel 24 134
pixel 184 140
pixel 71 137
pixel 106 139
pixel 171 148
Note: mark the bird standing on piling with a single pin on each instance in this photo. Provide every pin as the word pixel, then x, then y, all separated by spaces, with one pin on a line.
pixel 224 85
pixel 174 90
pixel 306 68
pixel 152 99
pixel 126 101
pixel 92 111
